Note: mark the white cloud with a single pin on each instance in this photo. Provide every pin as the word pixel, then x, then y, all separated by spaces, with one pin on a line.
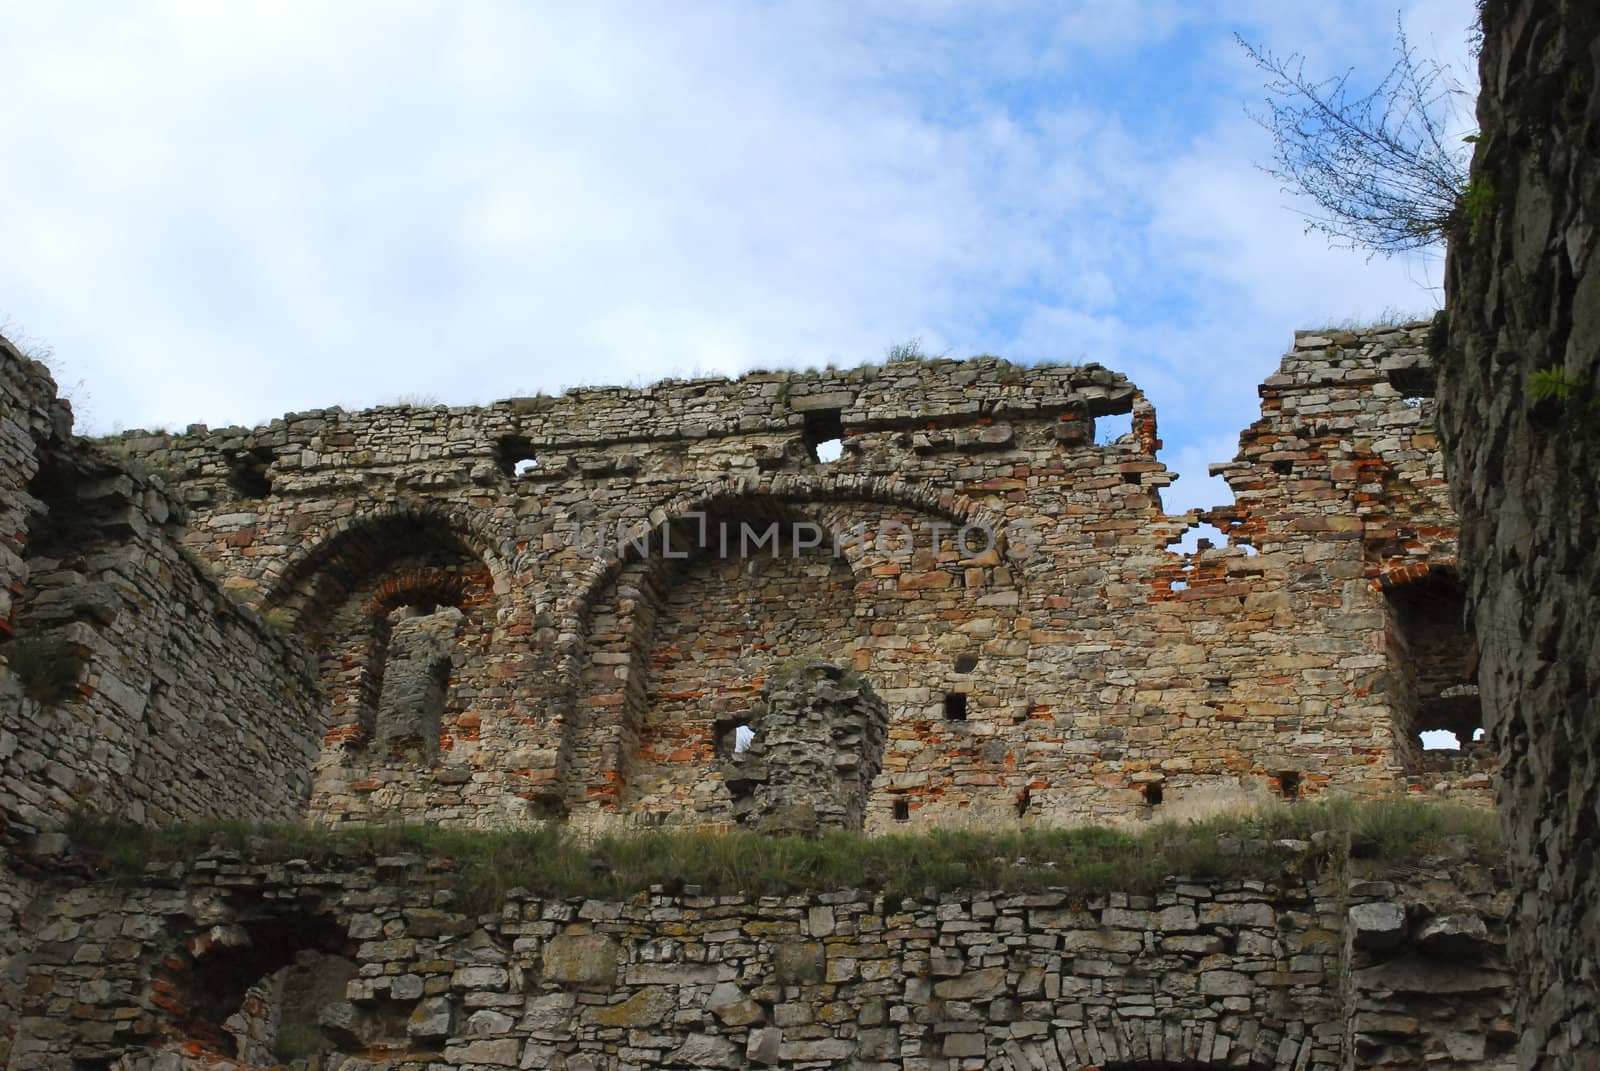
pixel 223 213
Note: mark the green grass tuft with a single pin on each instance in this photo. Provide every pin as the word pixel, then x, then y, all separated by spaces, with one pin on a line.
pixel 481 866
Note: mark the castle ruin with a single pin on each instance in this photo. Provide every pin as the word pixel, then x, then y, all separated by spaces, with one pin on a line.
pixel 675 606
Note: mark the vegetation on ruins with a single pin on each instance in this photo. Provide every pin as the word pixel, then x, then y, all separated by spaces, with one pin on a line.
pixel 483 866
pixel 47 666
pixel 910 350
pixel 1386 170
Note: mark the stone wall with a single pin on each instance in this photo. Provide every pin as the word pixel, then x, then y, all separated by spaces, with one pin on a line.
pixel 1523 290
pixel 128 682
pixel 1304 972
pixel 1057 662
pixel 131 684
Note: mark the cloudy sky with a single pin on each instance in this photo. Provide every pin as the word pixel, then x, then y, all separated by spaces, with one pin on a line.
pixel 222 212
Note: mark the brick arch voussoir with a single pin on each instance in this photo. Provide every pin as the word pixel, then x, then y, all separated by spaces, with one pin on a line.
pixel 793 489
pixel 1151 1045
pixel 348 535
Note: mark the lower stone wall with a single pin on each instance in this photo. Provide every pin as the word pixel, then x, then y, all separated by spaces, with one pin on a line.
pixel 202 964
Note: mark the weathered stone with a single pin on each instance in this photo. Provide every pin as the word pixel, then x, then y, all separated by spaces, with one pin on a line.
pixel 433 1018
pixel 799 962
pixel 645 1008
pixel 729 1004
pixel 765 1045
pixel 704 1050
pixel 1452 934
pixel 499 1052
pixel 973 985
pixel 1378 925
pixel 581 959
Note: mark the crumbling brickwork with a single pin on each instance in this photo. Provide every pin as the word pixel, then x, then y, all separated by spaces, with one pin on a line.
pixel 571 608
pixel 1302 973
pixel 630 566
pixel 815 744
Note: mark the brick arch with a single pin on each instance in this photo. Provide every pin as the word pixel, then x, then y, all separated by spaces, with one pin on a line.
pixel 417 586
pixel 1118 1044
pixel 338 594
pixel 801 491
pixel 593 765
pixel 364 540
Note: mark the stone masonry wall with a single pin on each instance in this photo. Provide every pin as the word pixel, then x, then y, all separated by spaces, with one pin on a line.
pixel 128 682
pixel 175 703
pixel 1523 287
pixel 31 414
pixel 1073 668
pixel 204 962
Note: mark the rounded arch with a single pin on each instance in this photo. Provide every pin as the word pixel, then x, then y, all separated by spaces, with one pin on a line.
pixel 1118 1044
pixel 609 622
pixel 362 542
pixel 737 494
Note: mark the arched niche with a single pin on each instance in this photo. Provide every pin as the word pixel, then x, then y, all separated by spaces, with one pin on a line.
pixel 400 607
pixel 650 628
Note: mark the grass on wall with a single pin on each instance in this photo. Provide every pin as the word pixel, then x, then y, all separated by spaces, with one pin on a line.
pixel 482 866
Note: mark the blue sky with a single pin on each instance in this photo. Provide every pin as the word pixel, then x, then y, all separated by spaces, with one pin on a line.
pixel 220 213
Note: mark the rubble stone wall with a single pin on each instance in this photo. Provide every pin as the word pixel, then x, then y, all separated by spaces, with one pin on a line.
pixel 202 963
pixel 128 682
pixel 1523 286
pixel 1099 674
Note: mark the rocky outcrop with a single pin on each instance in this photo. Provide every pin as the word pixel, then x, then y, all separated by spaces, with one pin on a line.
pixel 1524 307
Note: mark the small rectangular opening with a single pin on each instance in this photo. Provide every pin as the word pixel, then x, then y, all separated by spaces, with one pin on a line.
pixel 825 434
pixel 955 707
pixel 1289 784
pixel 1414 383
pixel 1153 793
pixel 515 456
pixel 733 738
pixel 902 810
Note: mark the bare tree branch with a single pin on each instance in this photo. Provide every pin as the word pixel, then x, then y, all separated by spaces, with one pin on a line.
pixel 1383 168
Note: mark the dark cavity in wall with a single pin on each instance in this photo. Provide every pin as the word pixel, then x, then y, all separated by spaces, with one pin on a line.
pixel 515 457
pixel 229 988
pixel 955 707
pixel 825 434
pixel 247 472
pixel 1414 382
pixel 1433 663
